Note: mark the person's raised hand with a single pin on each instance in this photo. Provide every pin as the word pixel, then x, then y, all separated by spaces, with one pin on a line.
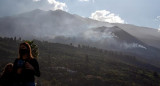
pixel 29 66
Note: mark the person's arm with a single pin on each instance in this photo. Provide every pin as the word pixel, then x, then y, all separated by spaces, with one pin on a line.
pixel 1 79
pixel 15 66
pixel 36 67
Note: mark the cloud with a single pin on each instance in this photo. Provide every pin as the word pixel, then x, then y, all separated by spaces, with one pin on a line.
pixel 157 20
pixel 58 5
pixel 36 0
pixel 83 0
pixel 106 16
pixel 93 1
pixel 158 17
pixel 87 1
pixel 159 29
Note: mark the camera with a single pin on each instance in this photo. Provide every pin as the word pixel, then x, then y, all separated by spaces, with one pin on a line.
pixel 21 63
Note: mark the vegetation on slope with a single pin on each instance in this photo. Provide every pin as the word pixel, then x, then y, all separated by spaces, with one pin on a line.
pixel 69 65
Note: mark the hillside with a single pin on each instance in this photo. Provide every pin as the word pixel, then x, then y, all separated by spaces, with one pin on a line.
pixel 149 36
pixel 62 27
pixel 69 65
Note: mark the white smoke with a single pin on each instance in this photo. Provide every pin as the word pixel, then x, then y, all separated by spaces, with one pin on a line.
pixel 133 45
pixel 58 5
pixel 106 16
pixel 93 35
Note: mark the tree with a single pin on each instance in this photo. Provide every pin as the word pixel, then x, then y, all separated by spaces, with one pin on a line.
pixel 79 46
pixel 71 44
pixel 15 38
pixel 34 47
pixel 87 59
pixel 19 39
pixel 155 74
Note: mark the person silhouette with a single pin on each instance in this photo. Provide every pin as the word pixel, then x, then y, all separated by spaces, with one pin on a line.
pixel 25 67
pixel 6 78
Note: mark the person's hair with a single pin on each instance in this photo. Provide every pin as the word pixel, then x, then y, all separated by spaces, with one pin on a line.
pixel 6 67
pixel 29 53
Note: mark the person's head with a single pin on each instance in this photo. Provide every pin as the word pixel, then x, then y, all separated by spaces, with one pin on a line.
pixel 8 68
pixel 25 49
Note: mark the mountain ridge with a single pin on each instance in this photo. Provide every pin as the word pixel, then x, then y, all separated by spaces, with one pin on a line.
pixel 62 27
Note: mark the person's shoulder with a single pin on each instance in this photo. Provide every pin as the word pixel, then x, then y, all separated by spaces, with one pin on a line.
pixel 34 60
pixel 16 60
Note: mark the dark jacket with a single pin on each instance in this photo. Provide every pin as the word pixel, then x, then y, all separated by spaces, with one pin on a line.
pixel 25 75
pixel 6 79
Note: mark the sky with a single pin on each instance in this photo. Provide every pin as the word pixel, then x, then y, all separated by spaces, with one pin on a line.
pixel 144 13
